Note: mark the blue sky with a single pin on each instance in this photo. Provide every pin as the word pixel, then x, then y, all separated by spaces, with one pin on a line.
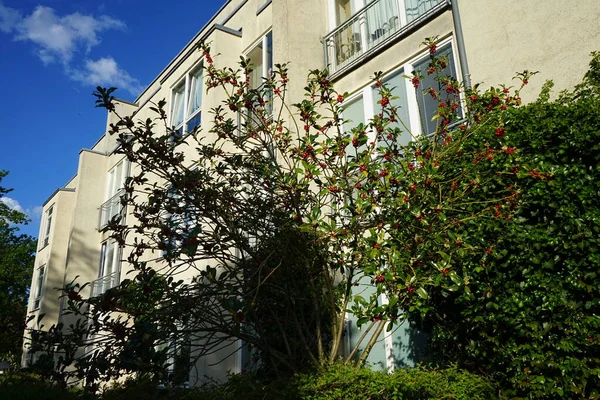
pixel 53 53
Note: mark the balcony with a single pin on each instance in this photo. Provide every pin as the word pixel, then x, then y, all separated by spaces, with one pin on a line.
pixel 372 28
pixel 101 285
pixel 110 209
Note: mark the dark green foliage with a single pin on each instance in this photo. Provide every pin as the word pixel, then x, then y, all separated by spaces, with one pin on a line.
pixel 533 322
pixel 282 309
pixel 17 254
pixel 343 382
pixel 347 382
pixel 25 386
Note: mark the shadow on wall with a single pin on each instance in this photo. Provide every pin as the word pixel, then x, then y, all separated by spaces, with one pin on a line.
pixel 82 260
pixel 408 346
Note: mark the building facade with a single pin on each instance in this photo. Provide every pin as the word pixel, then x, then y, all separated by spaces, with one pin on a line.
pixel 485 43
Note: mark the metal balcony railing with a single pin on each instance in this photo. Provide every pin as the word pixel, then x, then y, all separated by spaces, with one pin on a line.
pixel 110 209
pixel 101 285
pixel 371 27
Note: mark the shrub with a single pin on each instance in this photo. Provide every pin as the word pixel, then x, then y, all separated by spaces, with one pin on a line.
pixel 350 383
pixel 532 321
pixel 27 386
pixel 336 381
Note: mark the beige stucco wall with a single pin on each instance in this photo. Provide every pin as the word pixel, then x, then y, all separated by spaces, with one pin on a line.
pixel 551 36
pixel 298 27
pixel 59 252
pixel 84 238
pixel 53 257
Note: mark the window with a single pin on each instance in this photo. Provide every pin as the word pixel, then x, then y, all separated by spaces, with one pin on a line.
pixel 428 105
pixel 39 287
pixel 186 100
pixel 179 215
pixel 178 364
pixel 116 179
pixel 30 358
pixel 343 10
pixel 415 110
pixel 109 270
pixel 396 82
pixel 354 115
pixel 48 227
pixel 114 190
pixel 261 57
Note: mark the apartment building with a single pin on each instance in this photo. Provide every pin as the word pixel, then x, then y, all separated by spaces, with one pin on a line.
pixel 486 42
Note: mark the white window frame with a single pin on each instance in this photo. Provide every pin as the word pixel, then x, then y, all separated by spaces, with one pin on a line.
pixel 411 96
pixel 266 69
pixel 414 106
pixel 181 221
pixel 185 84
pixel 115 184
pixel 48 217
pixel 116 257
pixel 266 72
pixel 107 281
pixel 40 284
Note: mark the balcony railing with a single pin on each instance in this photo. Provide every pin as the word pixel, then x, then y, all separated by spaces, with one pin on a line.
pixel 101 285
pixel 371 27
pixel 110 209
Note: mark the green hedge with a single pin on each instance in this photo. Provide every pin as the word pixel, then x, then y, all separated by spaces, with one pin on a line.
pixel 533 321
pixel 335 382
pixel 349 383
pixel 26 386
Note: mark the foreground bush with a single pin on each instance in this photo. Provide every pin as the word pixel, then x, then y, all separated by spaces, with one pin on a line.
pixel 345 382
pixel 25 386
pixel 336 382
pixel 532 320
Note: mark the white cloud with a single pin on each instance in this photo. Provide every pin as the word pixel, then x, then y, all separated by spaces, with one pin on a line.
pixel 9 18
pixel 56 38
pixel 12 204
pixel 106 72
pixel 61 38
pixel 36 212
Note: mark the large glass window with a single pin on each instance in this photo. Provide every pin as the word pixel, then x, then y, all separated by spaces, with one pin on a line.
pixel 48 226
pixel 186 103
pixel 397 83
pixel 109 269
pixel 428 105
pixel 180 216
pixel 343 10
pixel 114 190
pixel 39 286
pixel 415 112
pixel 354 115
pixel 116 179
pixel 413 119
pixel 261 57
